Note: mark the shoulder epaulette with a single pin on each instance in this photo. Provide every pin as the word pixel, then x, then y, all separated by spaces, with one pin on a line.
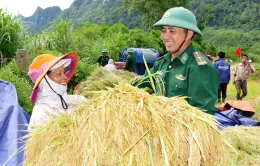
pixel 161 57
pixel 200 58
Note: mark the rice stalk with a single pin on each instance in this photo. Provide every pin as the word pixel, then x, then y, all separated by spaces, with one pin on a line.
pixel 125 125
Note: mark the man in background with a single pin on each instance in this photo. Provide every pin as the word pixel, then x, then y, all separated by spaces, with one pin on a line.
pixel 224 70
pixel 103 59
pixel 130 60
pixel 242 73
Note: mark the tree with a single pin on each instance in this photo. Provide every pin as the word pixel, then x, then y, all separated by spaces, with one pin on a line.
pixel 10 31
pixel 62 36
pixel 152 10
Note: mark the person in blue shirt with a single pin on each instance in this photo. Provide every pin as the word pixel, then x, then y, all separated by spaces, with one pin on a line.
pixel 224 70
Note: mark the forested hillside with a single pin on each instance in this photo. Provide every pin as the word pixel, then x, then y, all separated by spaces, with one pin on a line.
pixel 42 18
pixel 222 39
pixel 80 11
pixel 99 11
pixel 241 14
pixel 226 24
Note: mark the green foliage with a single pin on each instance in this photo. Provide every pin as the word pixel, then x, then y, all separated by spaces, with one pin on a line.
pixel 57 40
pixel 61 35
pixel 197 46
pixel 153 10
pixel 21 82
pixel 256 74
pixel 89 40
pixel 10 31
pixel 228 40
pixel 238 14
pixel 100 11
pixel 135 13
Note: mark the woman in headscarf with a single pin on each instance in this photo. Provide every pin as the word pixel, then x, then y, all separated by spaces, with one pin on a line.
pixel 50 75
pixel 110 65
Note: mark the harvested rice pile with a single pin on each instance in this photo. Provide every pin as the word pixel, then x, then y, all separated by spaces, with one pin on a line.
pixel 125 125
pixel 101 78
pixel 247 142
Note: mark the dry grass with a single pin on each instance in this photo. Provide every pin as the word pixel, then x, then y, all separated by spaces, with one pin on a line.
pixel 253 95
pixel 125 125
pixel 247 142
pixel 101 78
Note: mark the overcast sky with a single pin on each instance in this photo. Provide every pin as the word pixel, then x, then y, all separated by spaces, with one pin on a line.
pixel 28 7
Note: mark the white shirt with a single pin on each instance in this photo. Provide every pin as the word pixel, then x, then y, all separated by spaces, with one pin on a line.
pixel 48 104
pixel 243 73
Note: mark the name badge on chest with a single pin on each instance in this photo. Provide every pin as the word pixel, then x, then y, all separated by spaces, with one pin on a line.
pixel 180 77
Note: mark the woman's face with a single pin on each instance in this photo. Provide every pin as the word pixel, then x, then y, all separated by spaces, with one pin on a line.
pixel 58 75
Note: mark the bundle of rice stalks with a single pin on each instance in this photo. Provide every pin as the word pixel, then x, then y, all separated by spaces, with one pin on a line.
pixel 247 142
pixel 102 78
pixel 125 125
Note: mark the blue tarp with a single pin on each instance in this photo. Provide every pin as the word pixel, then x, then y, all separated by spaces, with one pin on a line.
pixel 13 125
pixel 231 117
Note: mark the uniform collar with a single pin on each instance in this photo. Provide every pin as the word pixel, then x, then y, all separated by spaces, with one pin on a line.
pixel 183 57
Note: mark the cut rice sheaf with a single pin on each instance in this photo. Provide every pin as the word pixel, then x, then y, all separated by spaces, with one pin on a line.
pixel 125 125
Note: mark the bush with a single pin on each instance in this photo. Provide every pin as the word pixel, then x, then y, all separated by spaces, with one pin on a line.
pixel 22 84
pixel 256 74
pixel 254 57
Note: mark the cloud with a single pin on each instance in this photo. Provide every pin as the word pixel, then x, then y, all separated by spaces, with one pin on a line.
pixel 28 7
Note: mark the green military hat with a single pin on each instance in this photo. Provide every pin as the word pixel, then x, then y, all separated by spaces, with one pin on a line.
pixel 104 50
pixel 130 50
pixel 179 17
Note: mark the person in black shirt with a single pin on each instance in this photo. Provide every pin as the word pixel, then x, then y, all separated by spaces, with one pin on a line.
pixel 103 59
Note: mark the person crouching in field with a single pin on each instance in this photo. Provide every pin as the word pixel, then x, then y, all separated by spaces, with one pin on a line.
pixel 50 76
pixel 242 73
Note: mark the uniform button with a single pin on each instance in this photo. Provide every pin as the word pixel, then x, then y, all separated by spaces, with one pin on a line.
pixel 176 86
pixel 170 66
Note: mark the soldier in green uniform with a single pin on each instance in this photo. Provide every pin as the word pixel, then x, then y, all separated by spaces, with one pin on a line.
pixel 130 60
pixel 103 59
pixel 184 71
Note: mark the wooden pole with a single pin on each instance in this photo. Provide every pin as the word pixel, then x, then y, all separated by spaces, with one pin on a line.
pixel 22 60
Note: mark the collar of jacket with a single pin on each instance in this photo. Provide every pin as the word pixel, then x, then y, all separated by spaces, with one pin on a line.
pixel 183 57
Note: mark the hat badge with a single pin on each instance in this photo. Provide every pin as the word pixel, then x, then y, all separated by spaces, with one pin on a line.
pixel 167 14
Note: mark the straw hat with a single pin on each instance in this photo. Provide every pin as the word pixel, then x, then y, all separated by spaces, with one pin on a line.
pixel 45 62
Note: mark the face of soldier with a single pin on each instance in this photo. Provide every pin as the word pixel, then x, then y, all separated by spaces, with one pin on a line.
pixel 104 53
pixel 172 37
pixel 58 75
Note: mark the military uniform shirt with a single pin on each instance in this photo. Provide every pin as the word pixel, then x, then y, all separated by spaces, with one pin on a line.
pixel 130 63
pixel 103 60
pixel 190 74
